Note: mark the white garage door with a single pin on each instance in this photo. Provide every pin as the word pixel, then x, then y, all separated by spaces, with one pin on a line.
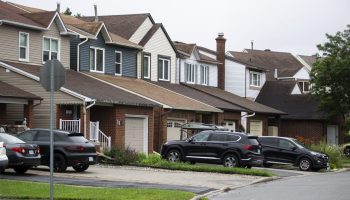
pixel 136 134
pixel 256 127
pixel 174 129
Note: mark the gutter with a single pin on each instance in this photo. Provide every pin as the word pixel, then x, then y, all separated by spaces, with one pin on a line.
pixel 78 53
pixel 23 25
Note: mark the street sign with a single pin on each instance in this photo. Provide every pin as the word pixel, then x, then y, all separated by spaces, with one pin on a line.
pixel 59 75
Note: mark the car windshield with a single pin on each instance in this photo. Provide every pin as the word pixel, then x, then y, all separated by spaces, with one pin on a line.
pixel 6 138
pixel 299 144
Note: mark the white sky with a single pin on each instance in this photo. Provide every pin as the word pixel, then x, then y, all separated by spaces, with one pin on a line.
pixel 295 26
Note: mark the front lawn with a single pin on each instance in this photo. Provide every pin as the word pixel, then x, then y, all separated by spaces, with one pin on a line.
pixel 32 190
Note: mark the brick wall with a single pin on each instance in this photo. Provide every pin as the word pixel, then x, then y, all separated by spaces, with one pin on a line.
pixel 28 114
pixel 230 116
pixel 310 130
pixel 3 119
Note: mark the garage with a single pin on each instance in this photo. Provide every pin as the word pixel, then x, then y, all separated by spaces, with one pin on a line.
pixel 256 127
pixel 136 133
pixel 174 129
pixel 230 125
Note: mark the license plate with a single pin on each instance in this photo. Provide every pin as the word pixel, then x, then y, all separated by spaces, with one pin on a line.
pixel 91 159
pixel 31 152
pixel 258 150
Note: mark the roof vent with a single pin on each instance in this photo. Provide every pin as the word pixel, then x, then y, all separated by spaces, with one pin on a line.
pixel 58 8
pixel 267 50
pixel 221 34
pixel 96 16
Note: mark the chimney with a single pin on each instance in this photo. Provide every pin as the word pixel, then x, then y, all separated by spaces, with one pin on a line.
pixel 96 16
pixel 58 8
pixel 220 56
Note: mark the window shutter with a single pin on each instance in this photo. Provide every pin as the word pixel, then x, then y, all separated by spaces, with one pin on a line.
pixel 185 72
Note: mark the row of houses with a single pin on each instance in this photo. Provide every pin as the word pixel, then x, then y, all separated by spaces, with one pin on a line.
pixel 129 84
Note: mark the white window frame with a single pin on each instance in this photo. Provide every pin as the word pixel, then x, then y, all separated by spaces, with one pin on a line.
pixel 251 81
pixel 169 67
pixel 204 75
pixel 190 73
pixel 121 63
pixel 303 86
pixel 58 47
pixel 95 64
pixel 27 47
pixel 149 66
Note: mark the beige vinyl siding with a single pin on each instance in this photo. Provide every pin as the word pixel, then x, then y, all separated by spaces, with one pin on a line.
pixel 159 45
pixel 141 31
pixel 14 112
pixel 42 110
pixel 9 44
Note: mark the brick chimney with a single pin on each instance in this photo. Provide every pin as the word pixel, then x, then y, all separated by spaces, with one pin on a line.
pixel 220 56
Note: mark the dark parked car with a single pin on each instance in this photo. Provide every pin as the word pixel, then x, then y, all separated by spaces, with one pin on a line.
pixel 285 150
pixel 70 149
pixel 229 148
pixel 21 155
pixel 3 158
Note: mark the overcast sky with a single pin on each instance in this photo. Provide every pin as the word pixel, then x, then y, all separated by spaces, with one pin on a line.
pixel 295 26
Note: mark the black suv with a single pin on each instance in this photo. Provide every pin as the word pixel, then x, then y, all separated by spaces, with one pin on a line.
pixel 70 149
pixel 229 148
pixel 285 150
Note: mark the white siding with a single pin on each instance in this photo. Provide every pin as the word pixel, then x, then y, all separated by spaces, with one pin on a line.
pixel 253 92
pixel 141 31
pixel 234 78
pixel 160 45
pixel 302 74
pixel 41 110
pixel 296 90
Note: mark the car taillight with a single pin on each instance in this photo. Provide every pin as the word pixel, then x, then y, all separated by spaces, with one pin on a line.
pixel 18 149
pixel 37 150
pixel 75 148
pixel 248 147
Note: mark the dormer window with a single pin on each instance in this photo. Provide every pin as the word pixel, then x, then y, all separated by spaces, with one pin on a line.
pixel 204 75
pixel 97 59
pixel 23 46
pixel 163 69
pixel 304 86
pixel 50 49
pixel 255 79
pixel 190 73
pixel 118 63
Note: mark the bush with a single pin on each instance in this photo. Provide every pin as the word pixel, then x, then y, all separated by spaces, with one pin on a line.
pixel 124 156
pixel 335 153
pixel 151 159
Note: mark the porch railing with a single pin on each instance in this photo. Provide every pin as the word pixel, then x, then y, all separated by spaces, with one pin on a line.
pixel 97 135
pixel 70 125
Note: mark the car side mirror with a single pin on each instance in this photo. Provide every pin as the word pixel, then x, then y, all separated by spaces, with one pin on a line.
pixel 293 148
pixel 190 140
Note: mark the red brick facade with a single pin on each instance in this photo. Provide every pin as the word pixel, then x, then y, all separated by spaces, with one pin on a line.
pixel 28 114
pixel 229 116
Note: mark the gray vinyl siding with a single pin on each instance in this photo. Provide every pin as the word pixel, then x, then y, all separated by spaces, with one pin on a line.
pixel 74 41
pixel 9 44
pixel 129 57
pixel 41 109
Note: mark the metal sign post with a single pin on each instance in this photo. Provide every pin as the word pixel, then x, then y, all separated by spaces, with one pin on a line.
pixel 52 78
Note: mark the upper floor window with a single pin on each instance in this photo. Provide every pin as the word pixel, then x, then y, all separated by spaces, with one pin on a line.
pixel 146 66
pixel 204 75
pixel 97 61
pixel 304 86
pixel 23 46
pixel 190 73
pixel 50 49
pixel 118 63
pixel 255 79
pixel 163 69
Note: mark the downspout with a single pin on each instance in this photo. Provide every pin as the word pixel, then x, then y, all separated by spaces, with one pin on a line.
pixel 78 54
pixel 160 127
pixel 245 83
pixel 246 123
pixel 84 113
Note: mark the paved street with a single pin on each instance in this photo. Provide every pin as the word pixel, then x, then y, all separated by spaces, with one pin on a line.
pixel 322 186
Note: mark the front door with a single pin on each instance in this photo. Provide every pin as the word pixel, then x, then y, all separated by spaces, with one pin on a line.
pixel 230 125
pixel 332 135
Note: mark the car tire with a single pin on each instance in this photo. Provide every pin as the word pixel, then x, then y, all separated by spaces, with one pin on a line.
pixel 21 169
pixel 347 151
pixel 174 155
pixel 305 164
pixel 60 163
pixel 267 165
pixel 2 170
pixel 80 167
pixel 230 160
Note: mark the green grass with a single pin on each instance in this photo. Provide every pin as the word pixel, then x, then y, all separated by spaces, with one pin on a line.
pixel 155 161
pixel 31 190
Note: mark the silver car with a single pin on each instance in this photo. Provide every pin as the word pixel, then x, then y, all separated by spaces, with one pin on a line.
pixel 3 158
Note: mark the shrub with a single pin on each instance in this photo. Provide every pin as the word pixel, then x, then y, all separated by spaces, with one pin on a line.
pixel 335 153
pixel 123 156
pixel 151 159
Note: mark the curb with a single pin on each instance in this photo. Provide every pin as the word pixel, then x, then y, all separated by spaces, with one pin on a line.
pixel 226 189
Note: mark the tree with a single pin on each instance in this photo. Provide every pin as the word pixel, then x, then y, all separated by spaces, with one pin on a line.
pixel 330 76
pixel 67 12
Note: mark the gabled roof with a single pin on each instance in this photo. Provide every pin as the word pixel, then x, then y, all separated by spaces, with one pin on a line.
pixel 165 97
pixel 237 100
pixel 200 96
pixel 186 50
pixel 150 34
pixel 285 63
pixel 277 94
pixel 308 61
pixel 43 18
pixel 90 87
pixel 123 25
pixel 26 8
pixel 9 91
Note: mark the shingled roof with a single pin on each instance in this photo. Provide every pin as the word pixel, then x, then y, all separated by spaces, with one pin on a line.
pixel 237 100
pixel 277 94
pixel 9 91
pixel 187 49
pixel 310 60
pixel 285 63
pixel 90 87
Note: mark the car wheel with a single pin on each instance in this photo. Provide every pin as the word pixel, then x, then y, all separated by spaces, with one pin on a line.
pixel 21 169
pixel 174 155
pixel 60 163
pixel 347 152
pixel 305 164
pixel 231 160
pixel 267 165
pixel 80 167
pixel 2 170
